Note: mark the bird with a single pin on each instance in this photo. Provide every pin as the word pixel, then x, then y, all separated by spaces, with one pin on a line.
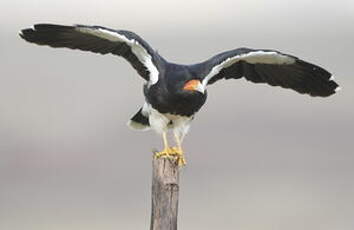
pixel 174 93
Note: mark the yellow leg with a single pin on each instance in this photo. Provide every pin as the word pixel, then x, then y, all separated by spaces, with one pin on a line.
pixel 178 151
pixel 165 142
pixel 167 151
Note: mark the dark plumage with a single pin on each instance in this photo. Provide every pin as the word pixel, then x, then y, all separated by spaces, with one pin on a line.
pixel 168 96
pixel 174 93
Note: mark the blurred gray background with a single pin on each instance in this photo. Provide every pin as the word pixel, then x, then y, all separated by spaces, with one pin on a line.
pixel 267 158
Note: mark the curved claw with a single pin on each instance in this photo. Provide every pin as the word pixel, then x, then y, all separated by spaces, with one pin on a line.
pixel 178 152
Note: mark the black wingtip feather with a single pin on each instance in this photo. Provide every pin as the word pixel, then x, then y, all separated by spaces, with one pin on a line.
pixel 28 35
pixel 303 77
pixel 23 33
pixel 324 80
pixel 43 33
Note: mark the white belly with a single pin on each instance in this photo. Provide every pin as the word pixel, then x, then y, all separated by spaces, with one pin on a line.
pixel 161 122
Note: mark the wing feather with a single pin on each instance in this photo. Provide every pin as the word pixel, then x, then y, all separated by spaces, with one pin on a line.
pixel 271 67
pixel 100 40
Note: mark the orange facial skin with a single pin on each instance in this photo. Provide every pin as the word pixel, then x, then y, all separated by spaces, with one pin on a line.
pixel 191 85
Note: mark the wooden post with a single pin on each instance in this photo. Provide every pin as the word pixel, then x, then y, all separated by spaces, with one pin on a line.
pixel 165 187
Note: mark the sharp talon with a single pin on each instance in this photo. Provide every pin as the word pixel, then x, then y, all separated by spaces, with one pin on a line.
pixel 178 153
pixel 181 161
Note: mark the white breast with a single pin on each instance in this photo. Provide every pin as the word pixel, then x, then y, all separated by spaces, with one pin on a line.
pixel 161 122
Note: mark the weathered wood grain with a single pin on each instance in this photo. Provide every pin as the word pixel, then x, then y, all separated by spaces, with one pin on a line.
pixel 165 188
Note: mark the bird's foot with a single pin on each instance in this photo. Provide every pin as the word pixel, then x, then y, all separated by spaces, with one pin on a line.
pixel 178 153
pixel 174 153
pixel 166 152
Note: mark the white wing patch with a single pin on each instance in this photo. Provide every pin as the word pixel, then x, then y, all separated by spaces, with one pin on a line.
pixel 256 57
pixel 139 51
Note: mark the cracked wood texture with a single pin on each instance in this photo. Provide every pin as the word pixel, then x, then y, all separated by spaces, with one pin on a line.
pixel 165 188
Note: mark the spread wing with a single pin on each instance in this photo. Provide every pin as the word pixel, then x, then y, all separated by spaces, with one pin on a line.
pixel 100 40
pixel 271 67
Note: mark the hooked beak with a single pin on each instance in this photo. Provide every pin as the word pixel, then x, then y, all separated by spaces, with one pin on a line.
pixel 194 85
